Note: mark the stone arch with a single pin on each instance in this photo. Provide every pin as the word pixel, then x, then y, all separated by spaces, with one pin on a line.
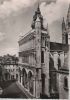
pixel 24 77
pixel 30 81
pixel 30 71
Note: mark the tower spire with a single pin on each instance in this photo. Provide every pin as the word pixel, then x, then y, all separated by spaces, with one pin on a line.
pixel 63 24
pixel 69 8
pixel 68 26
pixel 37 17
pixel 68 11
pixel 38 9
pixel 63 20
pixel 68 15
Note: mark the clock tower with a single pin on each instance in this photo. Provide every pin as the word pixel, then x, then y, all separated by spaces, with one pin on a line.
pixel 42 46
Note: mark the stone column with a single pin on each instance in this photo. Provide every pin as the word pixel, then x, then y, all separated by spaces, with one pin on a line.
pixel 62 58
pixel 34 83
pixel 20 74
pixel 15 70
pixel 21 77
pixel 55 55
pixel 46 71
pixel 38 83
pixel 27 83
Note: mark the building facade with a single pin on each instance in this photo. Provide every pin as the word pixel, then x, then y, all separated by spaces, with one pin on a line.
pixel 41 62
pixel 10 68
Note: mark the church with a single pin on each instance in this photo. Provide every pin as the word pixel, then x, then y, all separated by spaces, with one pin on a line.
pixel 43 65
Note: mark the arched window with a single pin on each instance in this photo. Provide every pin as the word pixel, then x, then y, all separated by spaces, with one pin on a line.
pixel 24 78
pixel 65 83
pixel 30 80
pixel 59 63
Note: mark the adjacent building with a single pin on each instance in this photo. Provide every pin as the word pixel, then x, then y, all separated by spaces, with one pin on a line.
pixel 10 68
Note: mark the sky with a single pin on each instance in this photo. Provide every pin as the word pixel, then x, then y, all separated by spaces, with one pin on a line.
pixel 16 18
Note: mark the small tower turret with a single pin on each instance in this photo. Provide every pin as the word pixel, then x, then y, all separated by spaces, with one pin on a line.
pixel 37 17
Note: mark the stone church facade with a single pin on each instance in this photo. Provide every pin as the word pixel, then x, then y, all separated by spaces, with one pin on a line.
pixel 44 64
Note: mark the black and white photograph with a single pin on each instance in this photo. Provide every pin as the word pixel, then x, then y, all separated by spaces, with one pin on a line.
pixel 34 49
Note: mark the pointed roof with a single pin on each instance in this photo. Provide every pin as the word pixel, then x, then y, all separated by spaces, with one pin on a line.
pixel 68 11
pixel 68 15
pixel 63 23
pixel 63 20
pixel 37 13
pixel 37 16
pixel 69 8
pixel 38 9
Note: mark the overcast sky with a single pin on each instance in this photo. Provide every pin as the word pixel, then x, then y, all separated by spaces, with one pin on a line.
pixel 16 18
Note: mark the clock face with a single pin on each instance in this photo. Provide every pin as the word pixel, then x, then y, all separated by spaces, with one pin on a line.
pixel 38 25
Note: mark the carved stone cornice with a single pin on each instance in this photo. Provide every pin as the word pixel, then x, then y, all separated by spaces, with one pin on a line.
pixel 27 38
pixel 27 52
